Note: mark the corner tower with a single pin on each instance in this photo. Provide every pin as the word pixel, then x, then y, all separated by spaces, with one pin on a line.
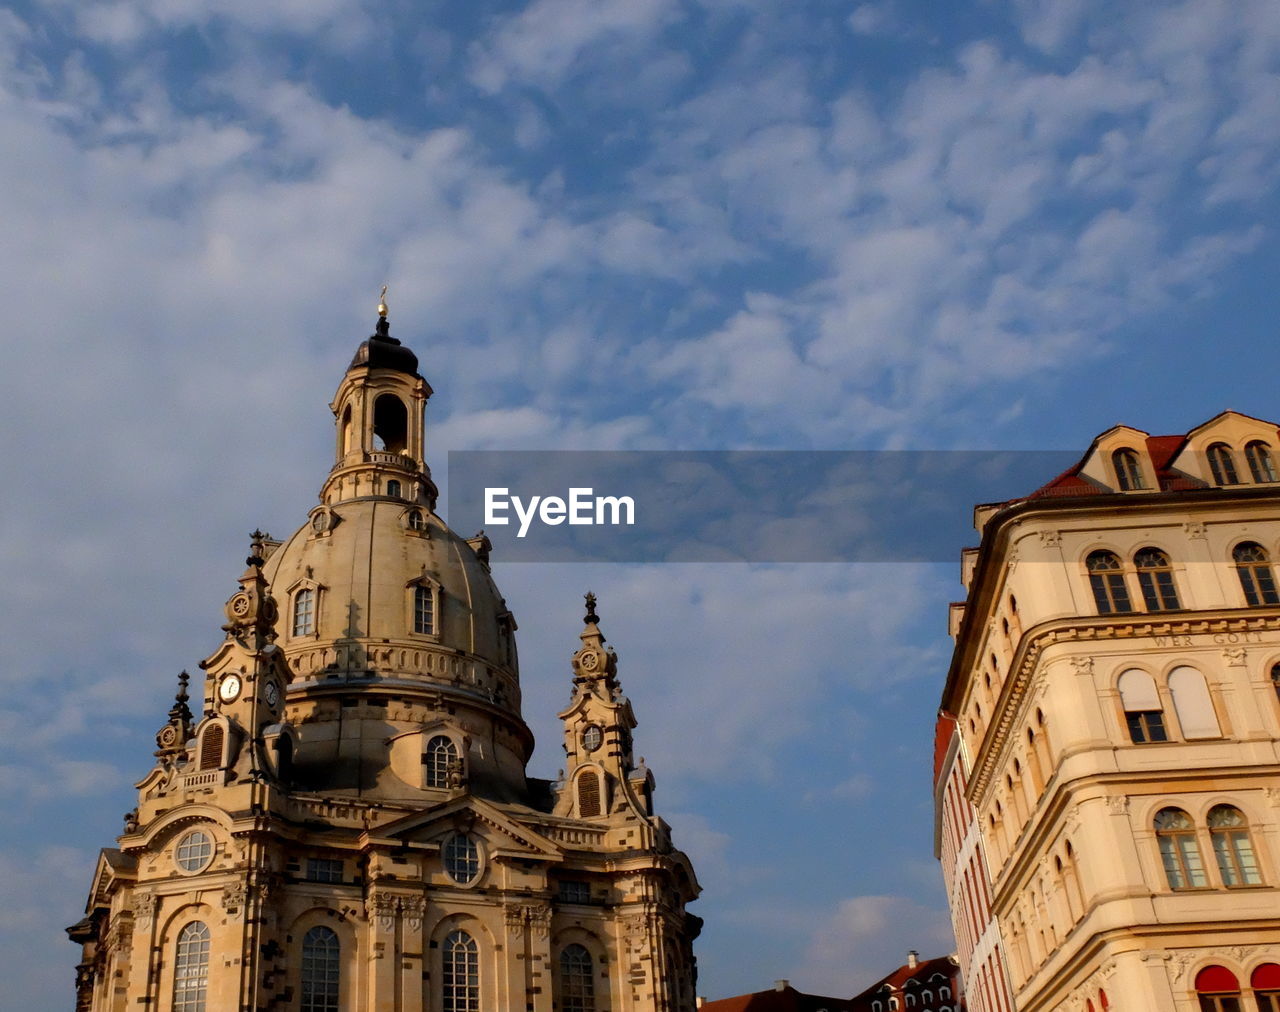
pixel 347 822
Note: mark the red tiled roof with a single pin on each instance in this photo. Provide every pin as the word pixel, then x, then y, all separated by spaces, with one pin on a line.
pixel 909 977
pixel 943 731
pixel 773 1000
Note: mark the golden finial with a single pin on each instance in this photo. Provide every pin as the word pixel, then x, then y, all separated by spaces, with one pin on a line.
pixel 382 303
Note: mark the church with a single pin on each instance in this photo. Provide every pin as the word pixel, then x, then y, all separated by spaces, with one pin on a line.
pixel 339 815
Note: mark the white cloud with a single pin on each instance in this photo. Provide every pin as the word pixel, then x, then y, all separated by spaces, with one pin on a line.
pixel 855 945
pixel 542 44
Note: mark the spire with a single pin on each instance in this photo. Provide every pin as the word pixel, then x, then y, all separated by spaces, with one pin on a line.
pixel 171 740
pixel 180 710
pixel 251 611
pixel 594 662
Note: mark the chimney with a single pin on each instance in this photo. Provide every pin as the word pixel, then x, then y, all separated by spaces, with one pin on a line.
pixel 702 1000
pixel 780 985
pixel 913 959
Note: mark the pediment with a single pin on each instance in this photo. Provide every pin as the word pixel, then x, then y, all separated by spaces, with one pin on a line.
pixel 113 865
pixel 502 833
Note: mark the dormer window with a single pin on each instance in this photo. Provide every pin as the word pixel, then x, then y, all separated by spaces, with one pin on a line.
pixel 1128 470
pixel 1261 467
pixel 416 520
pixel 439 760
pixel 304 612
pixel 1223 465
pixel 424 610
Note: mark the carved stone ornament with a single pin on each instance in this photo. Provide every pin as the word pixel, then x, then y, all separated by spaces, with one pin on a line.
pixel 1082 665
pixel 633 929
pixel 233 895
pixel 1118 804
pixel 144 906
pixel 1233 656
pixel 1194 529
pixel 415 909
pixel 1051 539
pixel 382 906
pixel 1273 796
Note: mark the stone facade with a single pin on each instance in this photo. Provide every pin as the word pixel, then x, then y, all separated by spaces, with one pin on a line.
pixel 346 822
pixel 1108 759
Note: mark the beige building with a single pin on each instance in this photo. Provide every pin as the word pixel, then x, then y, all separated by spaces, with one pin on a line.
pixel 346 822
pixel 1112 713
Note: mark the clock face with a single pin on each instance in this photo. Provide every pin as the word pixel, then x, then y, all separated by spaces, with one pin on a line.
pixel 229 689
pixel 273 694
pixel 592 737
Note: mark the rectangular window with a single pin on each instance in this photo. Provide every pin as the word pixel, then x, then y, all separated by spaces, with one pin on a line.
pixel 1146 726
pixel 574 892
pixel 323 870
pixel 1181 858
pixel 424 613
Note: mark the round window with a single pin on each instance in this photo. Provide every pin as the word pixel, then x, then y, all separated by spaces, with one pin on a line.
pixel 194 851
pixel 462 859
pixel 592 737
pixel 320 522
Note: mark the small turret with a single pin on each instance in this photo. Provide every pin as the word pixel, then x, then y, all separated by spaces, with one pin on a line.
pixel 601 776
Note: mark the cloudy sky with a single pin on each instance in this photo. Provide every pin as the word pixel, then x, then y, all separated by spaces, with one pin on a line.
pixel 607 224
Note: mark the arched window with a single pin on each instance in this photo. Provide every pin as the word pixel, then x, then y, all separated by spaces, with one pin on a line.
pixel 424 609
pixel 1223 465
pixel 211 747
pixel 1232 847
pixel 577 980
pixel 1265 982
pixel 1142 710
pixel 416 521
pixel 588 794
pixel 1155 577
pixel 1261 466
pixel 944 993
pixel 390 423
pixel 191 968
pixel 1128 470
pixel 1102 1000
pixel 460 981
pixel 304 612
pixel 393 488
pixel 1179 851
pixel 438 759
pixel 1218 990
pixel 1256 577
pixel 1192 703
pixel 1106 577
pixel 1275 678
pixel 321 967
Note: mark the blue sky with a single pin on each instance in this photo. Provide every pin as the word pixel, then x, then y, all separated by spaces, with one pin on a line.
pixel 607 224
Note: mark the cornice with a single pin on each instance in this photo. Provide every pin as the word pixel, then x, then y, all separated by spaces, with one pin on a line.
pixel 1013 695
pixel 999 529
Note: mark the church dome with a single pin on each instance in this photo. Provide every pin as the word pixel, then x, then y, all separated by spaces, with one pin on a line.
pixel 383 585
pixel 394 632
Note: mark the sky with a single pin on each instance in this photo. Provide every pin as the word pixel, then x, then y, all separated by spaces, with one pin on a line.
pixel 606 224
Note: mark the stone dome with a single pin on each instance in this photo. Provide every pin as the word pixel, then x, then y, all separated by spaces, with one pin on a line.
pixel 368 565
